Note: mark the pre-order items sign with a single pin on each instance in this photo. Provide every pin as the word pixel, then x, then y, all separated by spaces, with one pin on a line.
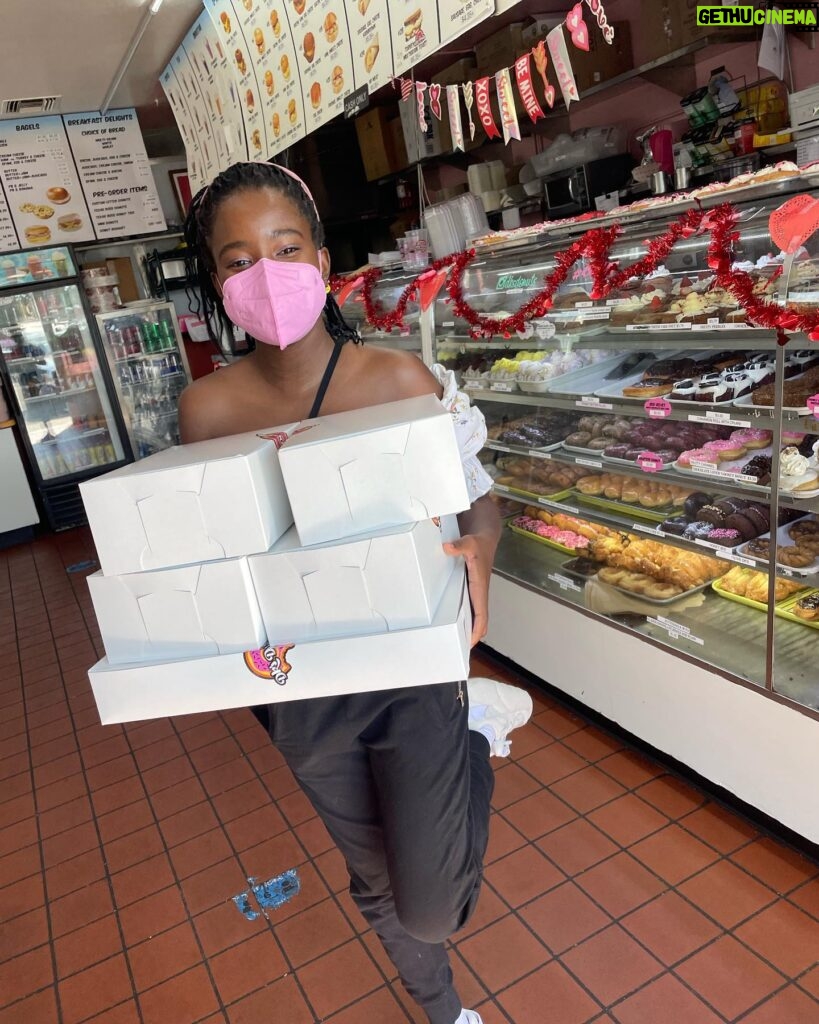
pixel 115 174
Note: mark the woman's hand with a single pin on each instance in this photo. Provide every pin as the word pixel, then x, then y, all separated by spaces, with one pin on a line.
pixel 480 531
pixel 478 551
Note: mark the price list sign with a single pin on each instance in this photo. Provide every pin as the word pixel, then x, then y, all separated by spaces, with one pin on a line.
pixel 41 183
pixel 458 16
pixel 115 174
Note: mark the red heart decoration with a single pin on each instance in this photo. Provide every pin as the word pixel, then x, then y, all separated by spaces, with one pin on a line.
pixel 435 99
pixel 347 290
pixel 429 286
pixel 550 95
pixel 792 224
pixel 578 28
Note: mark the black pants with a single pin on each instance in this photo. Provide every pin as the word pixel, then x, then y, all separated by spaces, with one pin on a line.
pixel 404 789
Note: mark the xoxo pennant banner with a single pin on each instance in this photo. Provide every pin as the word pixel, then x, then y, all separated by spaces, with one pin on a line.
pixel 541 63
pixel 577 27
pixel 526 88
pixel 556 42
pixel 506 100
pixel 484 104
pixel 596 7
pixel 455 126
pixel 435 99
pixel 469 99
pixel 420 90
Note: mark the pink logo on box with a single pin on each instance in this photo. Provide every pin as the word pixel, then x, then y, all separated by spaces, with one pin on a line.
pixel 271 663
pixel 813 404
pixel 650 462
pixel 278 438
pixel 658 408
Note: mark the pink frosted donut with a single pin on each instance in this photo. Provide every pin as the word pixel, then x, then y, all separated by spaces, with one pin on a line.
pixel 752 437
pixel 726 450
pixel 793 437
pixel 698 455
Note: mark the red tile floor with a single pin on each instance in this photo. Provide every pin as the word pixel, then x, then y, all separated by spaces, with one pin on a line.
pixel 614 891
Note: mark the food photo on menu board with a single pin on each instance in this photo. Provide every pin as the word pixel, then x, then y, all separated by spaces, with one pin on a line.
pixel 29 268
pixel 190 76
pixel 370 42
pixel 206 73
pixel 326 60
pixel 41 184
pixel 414 32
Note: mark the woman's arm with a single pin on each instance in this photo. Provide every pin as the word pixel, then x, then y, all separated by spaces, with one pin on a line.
pixel 480 528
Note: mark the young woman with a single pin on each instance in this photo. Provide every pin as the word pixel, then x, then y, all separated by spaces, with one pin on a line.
pixel 401 778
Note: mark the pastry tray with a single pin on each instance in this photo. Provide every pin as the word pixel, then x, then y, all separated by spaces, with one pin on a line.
pixel 545 540
pixel 785 611
pixel 783 539
pixel 653 600
pixel 747 600
pixel 622 508
pixel 533 496
pixel 579 383
pixel 521 450
pixel 728 467
pixel 632 463
pixel 747 402
pixel 591 453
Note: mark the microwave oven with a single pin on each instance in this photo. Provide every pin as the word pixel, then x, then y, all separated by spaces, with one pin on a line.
pixel 572 191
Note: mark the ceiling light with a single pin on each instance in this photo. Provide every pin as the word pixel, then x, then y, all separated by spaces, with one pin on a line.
pixel 155 5
pixel 142 28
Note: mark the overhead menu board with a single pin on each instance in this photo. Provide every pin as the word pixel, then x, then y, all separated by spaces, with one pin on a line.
pixel 8 236
pixel 184 121
pixel 369 23
pixel 221 94
pixel 325 58
pixel 227 22
pixel 41 183
pixel 457 16
pixel 288 65
pixel 188 78
pixel 415 32
pixel 114 172
pixel 266 28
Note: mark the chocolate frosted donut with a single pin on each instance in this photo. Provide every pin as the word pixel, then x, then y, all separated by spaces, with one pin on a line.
pixel 742 525
pixel 712 514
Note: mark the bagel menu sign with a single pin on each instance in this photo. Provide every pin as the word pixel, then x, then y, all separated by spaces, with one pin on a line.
pixel 75 178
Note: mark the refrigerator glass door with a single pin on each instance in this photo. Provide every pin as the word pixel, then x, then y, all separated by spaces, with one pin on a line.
pixel 150 371
pixel 52 366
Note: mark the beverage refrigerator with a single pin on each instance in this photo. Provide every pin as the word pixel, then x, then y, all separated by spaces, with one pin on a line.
pixel 147 362
pixel 59 389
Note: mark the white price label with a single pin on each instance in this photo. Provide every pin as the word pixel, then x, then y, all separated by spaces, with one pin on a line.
pixel 658 327
pixel 717 326
pixel 654 531
pixel 565 583
pixel 584 305
pixel 503 386
pixel 589 462
pixel 734 557
pixel 723 418
pixel 708 469
pixel 501 448
pixel 539 455
pixel 593 402
pixel 675 630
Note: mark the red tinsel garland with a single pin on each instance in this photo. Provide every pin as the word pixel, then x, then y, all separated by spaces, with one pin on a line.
pixel 594 246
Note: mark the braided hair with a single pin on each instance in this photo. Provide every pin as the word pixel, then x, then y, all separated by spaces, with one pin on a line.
pixel 199 222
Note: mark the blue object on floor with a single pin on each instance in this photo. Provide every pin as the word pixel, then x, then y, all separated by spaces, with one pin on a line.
pixel 82 566
pixel 242 902
pixel 277 891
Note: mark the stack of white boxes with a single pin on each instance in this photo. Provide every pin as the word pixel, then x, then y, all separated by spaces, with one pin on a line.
pixel 209 597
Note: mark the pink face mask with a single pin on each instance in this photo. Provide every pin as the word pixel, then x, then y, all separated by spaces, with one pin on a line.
pixel 275 303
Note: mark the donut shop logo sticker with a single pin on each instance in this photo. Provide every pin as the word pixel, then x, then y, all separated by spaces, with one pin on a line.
pixel 271 663
pixel 803 17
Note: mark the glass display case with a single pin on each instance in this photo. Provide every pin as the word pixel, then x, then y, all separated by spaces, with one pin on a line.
pixel 654 455
pixel 61 397
pixel 387 292
pixel 150 370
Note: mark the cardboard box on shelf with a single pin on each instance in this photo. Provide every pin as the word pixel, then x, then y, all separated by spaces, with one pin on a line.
pixel 355 472
pixel 668 25
pixel 376 584
pixel 188 612
pixel 194 503
pixel 603 60
pixel 501 49
pixel 438 653
pixel 378 143
pixel 420 145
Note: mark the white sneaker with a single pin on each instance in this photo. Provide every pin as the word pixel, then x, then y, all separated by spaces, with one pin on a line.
pixel 469 1017
pixel 495 709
